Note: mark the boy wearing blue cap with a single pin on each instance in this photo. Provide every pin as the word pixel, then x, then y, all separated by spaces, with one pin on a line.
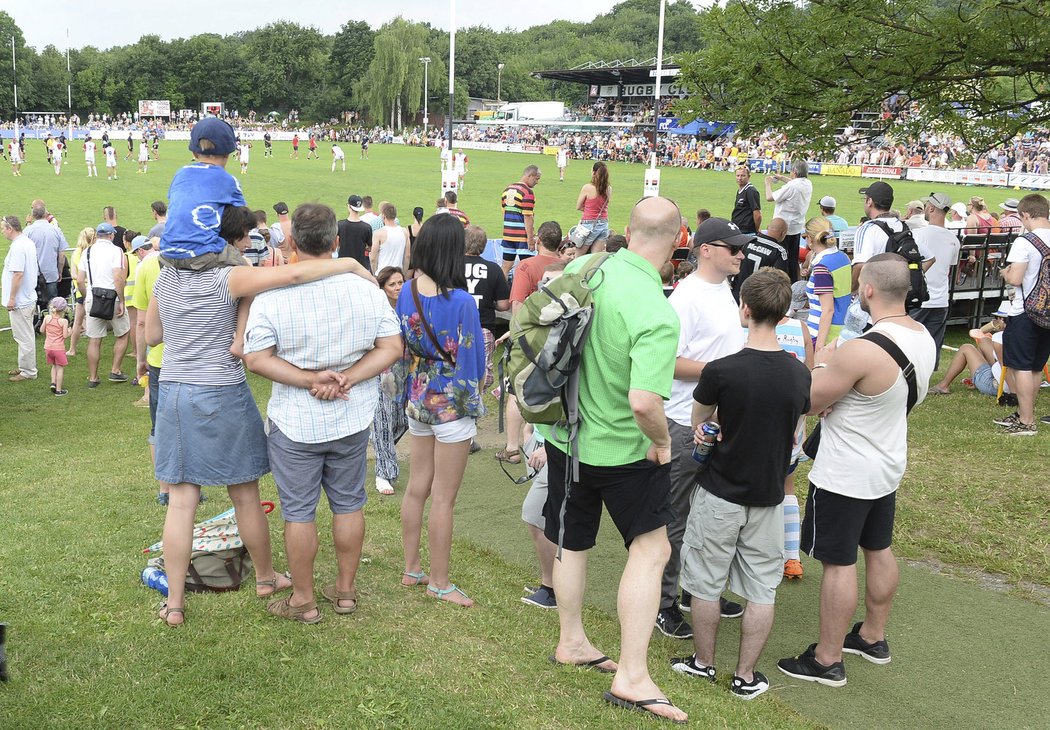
pixel 197 197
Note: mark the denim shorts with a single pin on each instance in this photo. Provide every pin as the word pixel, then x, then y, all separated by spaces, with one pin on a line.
pixel 599 230
pixel 209 435
pixel 154 396
pixel 984 381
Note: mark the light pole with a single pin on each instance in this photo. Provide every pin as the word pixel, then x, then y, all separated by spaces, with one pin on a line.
pixel 499 81
pixel 651 180
pixel 425 60
pixel 451 74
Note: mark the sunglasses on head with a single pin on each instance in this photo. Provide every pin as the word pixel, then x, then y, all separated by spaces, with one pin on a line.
pixel 733 249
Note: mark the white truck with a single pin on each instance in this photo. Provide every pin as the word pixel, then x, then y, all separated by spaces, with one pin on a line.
pixel 531 111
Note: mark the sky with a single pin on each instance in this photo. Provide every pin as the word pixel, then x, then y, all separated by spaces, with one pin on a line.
pixel 107 23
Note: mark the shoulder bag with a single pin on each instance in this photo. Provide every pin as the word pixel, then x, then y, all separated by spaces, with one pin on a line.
pixel 103 301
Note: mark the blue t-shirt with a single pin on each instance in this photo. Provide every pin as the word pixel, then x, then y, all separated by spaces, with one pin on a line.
pixel 196 199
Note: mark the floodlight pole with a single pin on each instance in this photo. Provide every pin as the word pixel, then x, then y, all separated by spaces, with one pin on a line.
pixel 451 74
pixel 69 91
pixel 659 79
pixel 14 80
pixel 499 82
pixel 425 60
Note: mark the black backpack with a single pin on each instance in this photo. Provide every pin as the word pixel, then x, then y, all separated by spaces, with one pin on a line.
pixel 903 244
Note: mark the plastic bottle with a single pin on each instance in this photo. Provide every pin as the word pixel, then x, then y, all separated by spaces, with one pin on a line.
pixel 702 451
pixel 156 579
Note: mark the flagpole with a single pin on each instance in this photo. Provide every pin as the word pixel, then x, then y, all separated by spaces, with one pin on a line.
pixel 69 90
pixel 451 76
pixel 14 80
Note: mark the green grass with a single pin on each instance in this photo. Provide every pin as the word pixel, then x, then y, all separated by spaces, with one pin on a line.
pixel 76 493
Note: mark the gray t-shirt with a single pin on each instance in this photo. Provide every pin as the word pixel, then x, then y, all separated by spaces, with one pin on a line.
pixel 157 230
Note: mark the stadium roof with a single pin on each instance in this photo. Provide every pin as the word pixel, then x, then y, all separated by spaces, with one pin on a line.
pixel 629 71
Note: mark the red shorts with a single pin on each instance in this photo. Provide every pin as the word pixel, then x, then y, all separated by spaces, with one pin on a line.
pixel 56 357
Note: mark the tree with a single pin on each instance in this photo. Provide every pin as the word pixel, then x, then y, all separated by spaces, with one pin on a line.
pixel 353 49
pixel 25 57
pixel 285 62
pixel 393 83
pixel 975 68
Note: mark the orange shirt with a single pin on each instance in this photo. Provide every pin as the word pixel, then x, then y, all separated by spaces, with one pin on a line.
pixel 528 274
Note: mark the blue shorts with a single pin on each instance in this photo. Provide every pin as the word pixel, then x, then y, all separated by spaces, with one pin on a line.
pixel 209 435
pixel 301 470
pixel 984 381
pixel 515 249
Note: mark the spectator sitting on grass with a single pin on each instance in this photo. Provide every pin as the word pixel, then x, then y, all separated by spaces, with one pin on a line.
pixel 983 360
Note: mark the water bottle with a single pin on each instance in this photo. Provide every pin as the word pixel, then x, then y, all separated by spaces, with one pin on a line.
pixel 156 579
pixel 702 451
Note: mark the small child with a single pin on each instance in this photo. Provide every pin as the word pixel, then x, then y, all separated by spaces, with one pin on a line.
pixel 55 329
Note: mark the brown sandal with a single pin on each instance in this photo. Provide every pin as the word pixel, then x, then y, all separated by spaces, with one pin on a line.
pixel 334 596
pixel 166 610
pixel 282 607
pixel 272 585
pixel 509 456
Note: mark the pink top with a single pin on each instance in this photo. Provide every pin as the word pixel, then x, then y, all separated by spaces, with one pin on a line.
pixel 986 221
pixel 55 334
pixel 596 208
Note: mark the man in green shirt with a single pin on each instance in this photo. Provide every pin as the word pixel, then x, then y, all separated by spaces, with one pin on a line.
pixel 625 450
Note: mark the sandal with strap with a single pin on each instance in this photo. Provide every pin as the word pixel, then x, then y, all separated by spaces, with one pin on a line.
pixel 272 585
pixel 418 579
pixel 333 595
pixel 441 593
pixel 166 611
pixel 283 607
pixel 511 456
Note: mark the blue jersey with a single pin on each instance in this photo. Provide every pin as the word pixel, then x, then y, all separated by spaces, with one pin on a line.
pixel 196 200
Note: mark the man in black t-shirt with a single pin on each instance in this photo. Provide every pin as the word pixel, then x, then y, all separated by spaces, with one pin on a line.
pixel 764 250
pixel 735 528
pixel 488 285
pixel 747 210
pixel 355 236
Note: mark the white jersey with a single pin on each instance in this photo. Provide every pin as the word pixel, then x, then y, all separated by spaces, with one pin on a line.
pixel 563 158
pixel 111 156
pixel 143 151
pixel 446 157
pixel 16 152
pixel 459 162
pixel 56 153
pixel 89 151
pixel 244 151
pixel 337 152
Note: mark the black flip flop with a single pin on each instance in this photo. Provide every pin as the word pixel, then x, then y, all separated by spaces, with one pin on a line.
pixel 642 705
pixel 593 664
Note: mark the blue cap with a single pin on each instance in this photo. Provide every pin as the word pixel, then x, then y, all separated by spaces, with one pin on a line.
pixel 138 242
pixel 216 131
pixel 105 228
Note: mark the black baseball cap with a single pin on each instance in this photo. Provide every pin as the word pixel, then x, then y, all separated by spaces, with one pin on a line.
pixel 880 193
pixel 281 208
pixel 356 203
pixel 719 229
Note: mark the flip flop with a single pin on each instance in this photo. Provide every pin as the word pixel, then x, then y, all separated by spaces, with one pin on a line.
pixel 593 664
pixel 166 610
pixel 642 706
pixel 420 578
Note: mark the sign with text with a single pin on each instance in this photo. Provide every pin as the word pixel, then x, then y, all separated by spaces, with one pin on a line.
pixel 154 108
pixel 845 170
pixel 880 171
pixel 651 183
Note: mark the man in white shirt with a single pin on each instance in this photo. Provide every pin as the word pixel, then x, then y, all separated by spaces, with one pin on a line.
pixel 915 215
pixel 89 157
pixel 791 203
pixel 459 164
pixel 325 371
pixel 19 293
pixel 940 251
pixel 563 162
pixel 104 266
pixel 956 217
pixel 1026 345
pixel 870 239
pixel 709 329
pixel 338 157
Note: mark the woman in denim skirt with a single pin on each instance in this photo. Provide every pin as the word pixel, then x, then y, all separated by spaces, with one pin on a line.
pixel 593 204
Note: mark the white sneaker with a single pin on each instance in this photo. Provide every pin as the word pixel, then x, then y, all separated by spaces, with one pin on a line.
pixel 383 486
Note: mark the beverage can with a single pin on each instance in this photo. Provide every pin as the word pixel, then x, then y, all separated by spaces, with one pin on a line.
pixel 702 451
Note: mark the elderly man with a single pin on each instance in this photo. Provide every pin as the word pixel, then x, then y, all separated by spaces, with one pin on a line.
pixel 315 444
pixel 792 203
pixel 50 247
pixel 104 266
pixel 19 292
pixel 940 251
pixel 624 450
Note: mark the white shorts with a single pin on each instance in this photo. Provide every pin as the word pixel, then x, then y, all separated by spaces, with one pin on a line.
pixel 96 328
pixel 452 432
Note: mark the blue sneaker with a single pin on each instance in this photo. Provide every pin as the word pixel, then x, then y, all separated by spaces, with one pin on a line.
pixel 542 598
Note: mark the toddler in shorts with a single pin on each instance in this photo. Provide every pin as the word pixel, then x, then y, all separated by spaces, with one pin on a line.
pixel 55 329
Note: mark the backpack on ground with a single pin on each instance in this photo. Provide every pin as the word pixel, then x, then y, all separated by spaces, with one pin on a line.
pixel 219 561
pixel 1037 301
pixel 903 244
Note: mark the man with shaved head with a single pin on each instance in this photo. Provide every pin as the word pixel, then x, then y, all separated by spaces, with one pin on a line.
pixel 624 451
pixel 862 457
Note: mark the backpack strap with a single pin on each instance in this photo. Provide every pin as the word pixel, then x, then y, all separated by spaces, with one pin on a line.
pixel 1039 243
pixel 427 328
pixel 906 366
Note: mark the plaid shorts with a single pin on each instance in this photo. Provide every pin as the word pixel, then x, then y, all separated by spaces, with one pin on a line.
pixel 490 347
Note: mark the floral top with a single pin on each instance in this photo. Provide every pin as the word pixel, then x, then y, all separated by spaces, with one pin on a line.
pixel 436 391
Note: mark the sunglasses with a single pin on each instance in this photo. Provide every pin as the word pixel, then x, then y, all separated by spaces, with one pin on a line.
pixel 733 249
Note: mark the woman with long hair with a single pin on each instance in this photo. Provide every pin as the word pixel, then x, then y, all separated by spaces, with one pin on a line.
pixel 593 204
pixel 84 241
pixel 441 374
pixel 389 424
pixel 979 219
pixel 829 284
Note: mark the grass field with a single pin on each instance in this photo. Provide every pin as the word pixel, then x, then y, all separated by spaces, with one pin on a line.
pixel 76 499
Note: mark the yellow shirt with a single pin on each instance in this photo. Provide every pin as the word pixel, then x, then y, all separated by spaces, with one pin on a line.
pixel 145 277
pixel 129 285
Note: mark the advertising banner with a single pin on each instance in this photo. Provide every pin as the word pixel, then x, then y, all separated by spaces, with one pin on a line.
pixel 928 174
pixel 1029 181
pixel 154 108
pixel 880 171
pixel 978 177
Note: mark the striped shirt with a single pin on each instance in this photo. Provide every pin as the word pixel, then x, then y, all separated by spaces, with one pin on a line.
pixel 518 201
pixel 790 338
pixel 199 318
pixel 324 325
pixel 831 273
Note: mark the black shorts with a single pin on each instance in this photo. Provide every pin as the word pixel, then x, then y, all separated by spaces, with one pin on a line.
pixel 1026 345
pixel 836 525
pixel 635 494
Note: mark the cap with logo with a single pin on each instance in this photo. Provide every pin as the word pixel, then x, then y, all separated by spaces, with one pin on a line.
pixel 219 133
pixel 719 229
pixel 356 203
pixel 881 194
pixel 280 208
pixel 105 229
pixel 940 201
pixel 139 242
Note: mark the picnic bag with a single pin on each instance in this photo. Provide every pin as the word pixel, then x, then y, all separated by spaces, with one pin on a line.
pixel 1037 301
pixel 219 561
pixel 903 244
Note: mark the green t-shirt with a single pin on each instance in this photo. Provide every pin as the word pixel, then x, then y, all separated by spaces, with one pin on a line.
pixel 145 277
pixel 632 345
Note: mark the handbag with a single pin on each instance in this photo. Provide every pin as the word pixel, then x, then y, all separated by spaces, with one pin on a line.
pixel 103 301
pixel 579 233
pixel 428 329
pixel 812 443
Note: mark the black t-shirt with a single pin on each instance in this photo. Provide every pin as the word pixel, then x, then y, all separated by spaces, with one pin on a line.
pixel 747 201
pixel 758 253
pixel 488 285
pixel 760 397
pixel 355 238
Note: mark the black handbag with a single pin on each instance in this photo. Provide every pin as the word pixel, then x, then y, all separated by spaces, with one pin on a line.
pixel 103 301
pixel 812 443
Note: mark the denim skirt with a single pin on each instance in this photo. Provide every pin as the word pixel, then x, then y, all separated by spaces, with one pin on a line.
pixel 599 230
pixel 209 435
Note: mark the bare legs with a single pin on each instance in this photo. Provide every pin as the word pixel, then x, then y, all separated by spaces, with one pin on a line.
pixel 838 602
